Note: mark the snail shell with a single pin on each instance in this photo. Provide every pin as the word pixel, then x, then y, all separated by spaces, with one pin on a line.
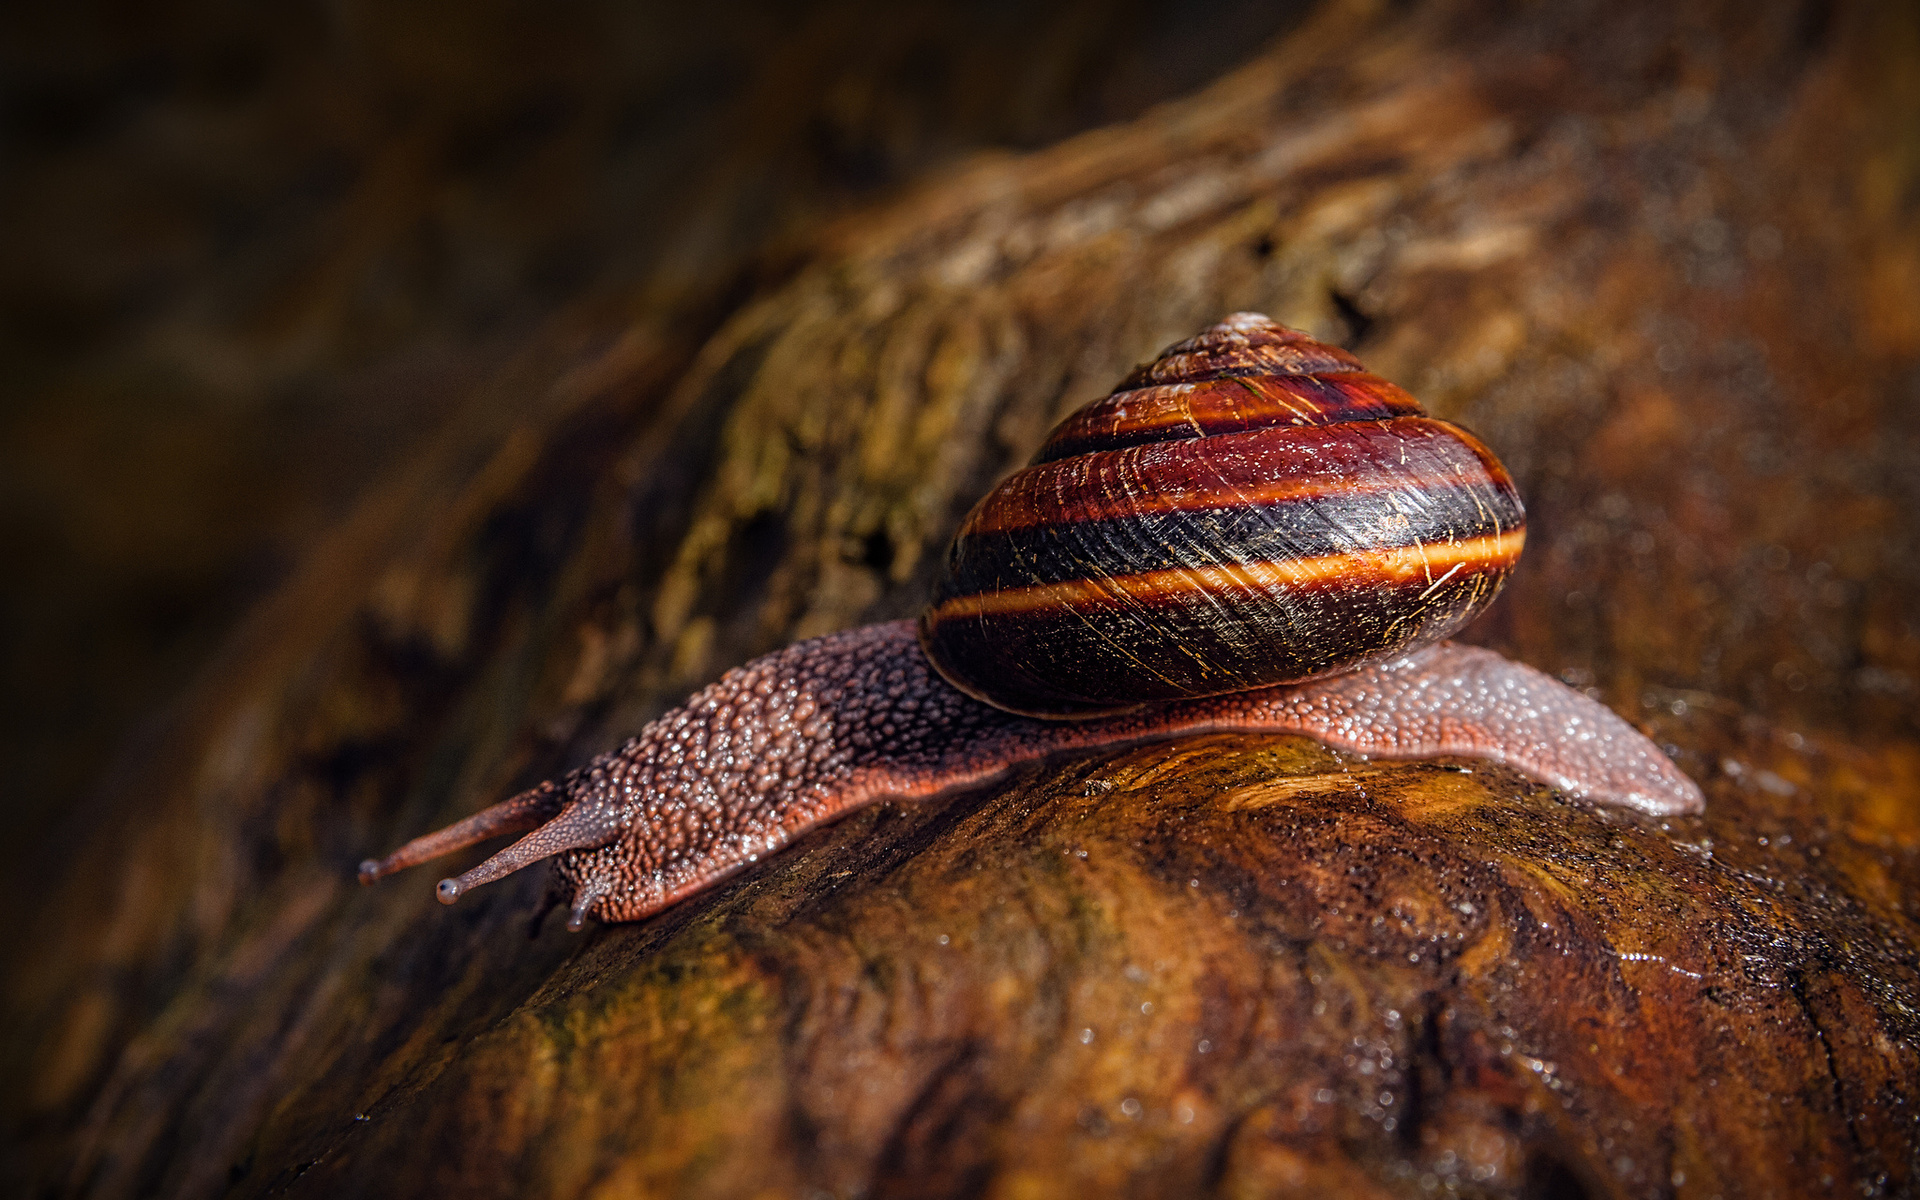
pixel 1251 508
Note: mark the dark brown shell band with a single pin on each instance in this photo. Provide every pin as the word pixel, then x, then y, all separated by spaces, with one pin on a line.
pixel 1173 412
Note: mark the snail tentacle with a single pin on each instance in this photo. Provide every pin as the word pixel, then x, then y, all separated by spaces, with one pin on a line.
pixel 528 810
pixel 587 821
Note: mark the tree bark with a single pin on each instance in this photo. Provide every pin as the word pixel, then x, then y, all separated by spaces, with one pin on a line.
pixel 1666 263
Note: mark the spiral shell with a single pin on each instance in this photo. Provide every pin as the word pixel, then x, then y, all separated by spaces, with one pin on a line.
pixel 1251 508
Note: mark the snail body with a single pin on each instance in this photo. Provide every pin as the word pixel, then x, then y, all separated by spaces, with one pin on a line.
pixel 1252 532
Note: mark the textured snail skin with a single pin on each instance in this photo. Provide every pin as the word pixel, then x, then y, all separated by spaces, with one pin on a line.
pixel 804 735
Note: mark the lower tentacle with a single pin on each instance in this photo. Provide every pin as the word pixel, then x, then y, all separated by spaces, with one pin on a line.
pixel 583 903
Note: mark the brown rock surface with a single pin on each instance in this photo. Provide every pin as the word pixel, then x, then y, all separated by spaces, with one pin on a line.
pixel 1668 266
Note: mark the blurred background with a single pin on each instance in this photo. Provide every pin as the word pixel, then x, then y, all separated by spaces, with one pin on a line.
pixel 253 256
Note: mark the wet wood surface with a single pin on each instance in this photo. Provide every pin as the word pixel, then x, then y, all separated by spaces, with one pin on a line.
pixel 1666 267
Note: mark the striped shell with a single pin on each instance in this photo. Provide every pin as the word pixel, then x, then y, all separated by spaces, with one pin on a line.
pixel 1251 508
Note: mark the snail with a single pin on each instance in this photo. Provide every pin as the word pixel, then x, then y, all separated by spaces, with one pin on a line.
pixel 1251 532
